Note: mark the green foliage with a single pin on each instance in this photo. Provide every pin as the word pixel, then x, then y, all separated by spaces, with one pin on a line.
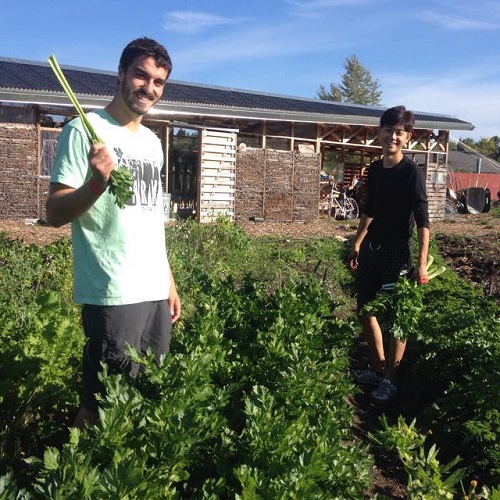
pixel 121 186
pixel 401 306
pixel 495 211
pixel 427 478
pixel 227 405
pixel 39 342
pixel 488 146
pixel 251 401
pixel 223 249
pixel 218 247
pixel 357 87
pixel 457 357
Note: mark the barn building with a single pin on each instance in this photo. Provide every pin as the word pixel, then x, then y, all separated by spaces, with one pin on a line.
pixel 228 151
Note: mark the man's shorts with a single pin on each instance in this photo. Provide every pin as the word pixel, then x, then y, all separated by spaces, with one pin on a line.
pixel 146 325
pixel 380 264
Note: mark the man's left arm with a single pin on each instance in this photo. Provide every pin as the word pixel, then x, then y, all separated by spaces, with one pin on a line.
pixel 421 213
pixel 174 301
pixel 420 273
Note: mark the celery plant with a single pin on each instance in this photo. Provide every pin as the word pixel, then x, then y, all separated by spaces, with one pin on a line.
pixel 402 302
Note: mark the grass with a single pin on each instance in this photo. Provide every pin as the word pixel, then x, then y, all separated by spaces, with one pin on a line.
pixel 223 250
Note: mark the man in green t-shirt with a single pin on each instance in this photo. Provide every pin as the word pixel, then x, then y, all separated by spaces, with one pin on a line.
pixel 122 276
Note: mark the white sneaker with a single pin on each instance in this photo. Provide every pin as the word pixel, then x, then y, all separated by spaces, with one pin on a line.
pixel 385 392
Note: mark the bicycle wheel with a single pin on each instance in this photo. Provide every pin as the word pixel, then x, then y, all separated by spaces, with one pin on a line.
pixel 351 209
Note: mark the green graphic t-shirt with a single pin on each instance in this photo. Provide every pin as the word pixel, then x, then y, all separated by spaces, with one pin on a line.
pixel 119 255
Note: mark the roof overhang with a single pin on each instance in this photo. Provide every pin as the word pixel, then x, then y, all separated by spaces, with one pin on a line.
pixel 175 110
pixel 50 98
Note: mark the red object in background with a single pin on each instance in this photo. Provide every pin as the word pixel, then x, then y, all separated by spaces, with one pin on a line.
pixel 465 180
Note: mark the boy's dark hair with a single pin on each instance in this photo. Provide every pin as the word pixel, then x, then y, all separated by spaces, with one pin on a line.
pixel 145 47
pixel 396 116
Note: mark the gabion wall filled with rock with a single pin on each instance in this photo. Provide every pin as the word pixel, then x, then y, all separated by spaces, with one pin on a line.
pixel 19 182
pixel 281 186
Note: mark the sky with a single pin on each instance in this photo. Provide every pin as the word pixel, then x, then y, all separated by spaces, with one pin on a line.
pixel 437 56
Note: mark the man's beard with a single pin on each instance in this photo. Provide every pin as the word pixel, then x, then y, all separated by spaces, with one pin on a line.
pixel 130 98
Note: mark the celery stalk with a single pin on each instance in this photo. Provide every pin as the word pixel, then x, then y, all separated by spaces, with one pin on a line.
pixel 91 134
pixel 121 180
pixel 430 260
pixel 435 272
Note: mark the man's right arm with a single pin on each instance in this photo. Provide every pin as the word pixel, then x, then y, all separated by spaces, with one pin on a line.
pixel 65 204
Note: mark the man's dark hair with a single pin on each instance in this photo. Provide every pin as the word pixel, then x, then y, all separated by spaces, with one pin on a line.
pixel 396 116
pixel 145 47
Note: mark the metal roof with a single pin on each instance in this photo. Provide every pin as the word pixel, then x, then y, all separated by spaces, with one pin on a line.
pixel 468 162
pixel 34 82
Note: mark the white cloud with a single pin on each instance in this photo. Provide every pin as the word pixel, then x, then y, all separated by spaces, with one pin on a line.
pixel 290 56
pixel 317 8
pixel 460 22
pixel 189 23
pixel 254 46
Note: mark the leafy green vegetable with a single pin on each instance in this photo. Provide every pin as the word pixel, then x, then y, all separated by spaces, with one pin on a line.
pixel 121 180
pixel 121 185
pixel 402 303
pixel 253 399
pixel 424 470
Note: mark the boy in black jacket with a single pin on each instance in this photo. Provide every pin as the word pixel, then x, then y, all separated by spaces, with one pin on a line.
pixel 382 250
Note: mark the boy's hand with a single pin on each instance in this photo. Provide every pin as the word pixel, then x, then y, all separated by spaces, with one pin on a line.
pixel 352 260
pixel 420 274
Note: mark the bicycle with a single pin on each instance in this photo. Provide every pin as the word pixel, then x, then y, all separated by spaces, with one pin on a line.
pixel 339 205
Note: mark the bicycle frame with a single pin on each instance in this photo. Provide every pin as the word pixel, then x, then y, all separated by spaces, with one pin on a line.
pixel 342 206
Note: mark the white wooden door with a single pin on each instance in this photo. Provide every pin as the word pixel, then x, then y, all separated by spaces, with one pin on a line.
pixel 217 175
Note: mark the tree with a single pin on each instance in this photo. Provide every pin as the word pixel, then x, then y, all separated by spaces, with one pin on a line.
pixel 357 87
pixel 465 143
pixel 488 146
